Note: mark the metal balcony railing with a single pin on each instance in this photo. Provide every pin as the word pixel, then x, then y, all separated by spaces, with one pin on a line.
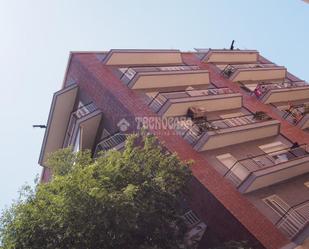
pixel 295 113
pixel 242 169
pixel 263 88
pixel 161 98
pixel 77 114
pixel 110 142
pixel 191 218
pixel 129 73
pixel 294 219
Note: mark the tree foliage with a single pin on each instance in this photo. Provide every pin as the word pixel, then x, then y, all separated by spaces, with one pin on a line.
pixel 121 200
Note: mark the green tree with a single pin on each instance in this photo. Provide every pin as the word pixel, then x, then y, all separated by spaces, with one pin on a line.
pixel 121 200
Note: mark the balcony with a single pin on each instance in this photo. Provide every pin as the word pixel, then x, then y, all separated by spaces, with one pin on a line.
pixel 287 91
pixel 177 103
pixel 296 114
pixel 254 72
pixel 212 134
pixel 219 56
pixel 142 57
pixel 266 169
pixel 59 116
pixel 87 118
pixel 162 77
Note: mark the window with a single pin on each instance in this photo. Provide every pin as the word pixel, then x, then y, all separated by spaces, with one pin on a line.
pixel 227 160
pixel 274 148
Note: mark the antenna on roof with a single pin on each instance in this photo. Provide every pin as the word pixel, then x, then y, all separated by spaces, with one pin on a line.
pixel 232 45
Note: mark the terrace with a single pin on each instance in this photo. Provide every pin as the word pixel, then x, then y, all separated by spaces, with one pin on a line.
pixel 61 108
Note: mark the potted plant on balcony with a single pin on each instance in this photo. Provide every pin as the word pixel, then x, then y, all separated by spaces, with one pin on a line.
pixel 260 115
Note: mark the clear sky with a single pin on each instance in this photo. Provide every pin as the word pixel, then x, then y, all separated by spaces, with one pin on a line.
pixel 37 35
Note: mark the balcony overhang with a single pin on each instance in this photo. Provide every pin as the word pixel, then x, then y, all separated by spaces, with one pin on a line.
pixel 143 57
pixel 236 135
pixel 148 80
pixel 259 74
pixel 211 103
pixel 231 56
pixel 275 174
pixel 61 108
pixel 286 94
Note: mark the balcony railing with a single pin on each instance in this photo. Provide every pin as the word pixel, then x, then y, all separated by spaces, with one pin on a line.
pixel 192 131
pixel 242 169
pixel 295 114
pixel 161 98
pixel 295 219
pixel 110 142
pixel 231 69
pixel 77 114
pixel 129 73
pixel 191 218
pixel 263 89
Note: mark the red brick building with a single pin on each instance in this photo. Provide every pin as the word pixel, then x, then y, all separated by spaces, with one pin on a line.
pixel 240 117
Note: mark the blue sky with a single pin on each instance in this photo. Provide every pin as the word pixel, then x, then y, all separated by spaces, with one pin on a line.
pixel 37 35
